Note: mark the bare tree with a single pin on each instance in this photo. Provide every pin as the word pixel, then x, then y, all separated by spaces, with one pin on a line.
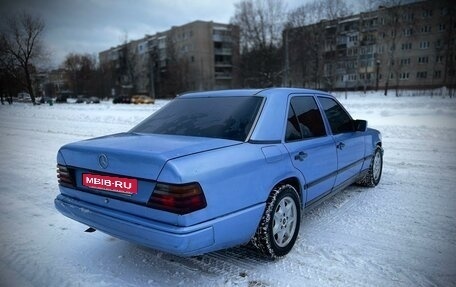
pixel 8 83
pixel 333 9
pixel 81 73
pixel 129 64
pixel 449 44
pixel 107 79
pixel 398 24
pixel 175 77
pixel 22 41
pixel 307 43
pixel 260 24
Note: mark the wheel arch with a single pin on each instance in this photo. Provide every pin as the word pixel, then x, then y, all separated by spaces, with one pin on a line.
pixel 295 182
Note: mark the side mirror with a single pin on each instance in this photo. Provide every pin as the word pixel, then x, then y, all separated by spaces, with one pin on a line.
pixel 360 125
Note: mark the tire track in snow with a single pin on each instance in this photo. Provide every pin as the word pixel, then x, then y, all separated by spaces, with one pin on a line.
pixel 236 264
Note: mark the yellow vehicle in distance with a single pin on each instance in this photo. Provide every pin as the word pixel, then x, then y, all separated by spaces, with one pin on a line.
pixel 140 99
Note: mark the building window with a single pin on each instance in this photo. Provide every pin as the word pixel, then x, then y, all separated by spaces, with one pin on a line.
pixel 441 27
pixel 438 44
pixel 405 61
pixel 404 76
pixel 425 29
pixel 427 13
pixel 439 59
pixel 443 11
pixel 406 46
pixel 421 75
pixel 407 32
pixel 423 60
pixel 437 74
pixel 350 65
pixel 408 16
pixel 352 51
pixel 424 45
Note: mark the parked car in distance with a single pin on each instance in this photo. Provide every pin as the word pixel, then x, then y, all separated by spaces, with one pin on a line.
pixel 92 100
pixel 23 97
pixel 61 99
pixel 47 100
pixel 121 100
pixel 213 170
pixel 139 99
pixel 80 99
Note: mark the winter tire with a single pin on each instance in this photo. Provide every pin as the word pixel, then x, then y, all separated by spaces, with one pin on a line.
pixel 372 178
pixel 279 226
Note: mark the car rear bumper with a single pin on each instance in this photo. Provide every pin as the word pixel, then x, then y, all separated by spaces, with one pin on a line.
pixel 227 231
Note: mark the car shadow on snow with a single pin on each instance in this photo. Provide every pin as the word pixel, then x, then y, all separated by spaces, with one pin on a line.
pixel 243 260
pixel 242 265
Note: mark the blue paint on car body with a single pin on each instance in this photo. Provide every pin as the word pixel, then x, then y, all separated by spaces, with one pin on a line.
pixel 206 164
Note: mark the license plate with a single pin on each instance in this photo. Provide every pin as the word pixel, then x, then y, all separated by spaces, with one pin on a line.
pixel 110 183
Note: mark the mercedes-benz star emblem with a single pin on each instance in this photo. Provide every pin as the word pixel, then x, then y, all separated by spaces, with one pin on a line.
pixel 103 161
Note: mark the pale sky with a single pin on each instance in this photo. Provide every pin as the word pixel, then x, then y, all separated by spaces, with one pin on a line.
pixel 91 26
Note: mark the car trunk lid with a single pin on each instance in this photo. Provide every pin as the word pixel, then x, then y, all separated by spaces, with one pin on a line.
pixel 130 159
pixel 135 155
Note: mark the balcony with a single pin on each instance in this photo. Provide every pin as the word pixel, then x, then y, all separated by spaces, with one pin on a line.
pixel 222 64
pixel 222 76
pixel 221 38
pixel 223 51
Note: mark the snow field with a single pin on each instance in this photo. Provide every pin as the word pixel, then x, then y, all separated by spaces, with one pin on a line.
pixel 401 233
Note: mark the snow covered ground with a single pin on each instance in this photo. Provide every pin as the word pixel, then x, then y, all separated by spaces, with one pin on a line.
pixel 401 233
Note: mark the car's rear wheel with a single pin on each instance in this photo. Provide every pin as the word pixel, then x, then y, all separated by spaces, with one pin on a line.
pixel 372 178
pixel 279 226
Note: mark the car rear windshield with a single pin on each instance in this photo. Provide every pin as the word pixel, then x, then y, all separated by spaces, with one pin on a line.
pixel 214 117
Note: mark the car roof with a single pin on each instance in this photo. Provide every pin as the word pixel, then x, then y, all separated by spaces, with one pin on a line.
pixel 268 92
pixel 221 93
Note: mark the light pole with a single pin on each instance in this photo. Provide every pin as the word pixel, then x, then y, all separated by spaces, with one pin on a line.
pixel 378 68
pixel 151 75
pixel 287 63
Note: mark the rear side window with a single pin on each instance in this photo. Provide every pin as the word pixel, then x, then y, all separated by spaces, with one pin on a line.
pixel 304 120
pixel 218 117
pixel 339 120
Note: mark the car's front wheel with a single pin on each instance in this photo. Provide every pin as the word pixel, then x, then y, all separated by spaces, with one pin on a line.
pixel 279 226
pixel 372 178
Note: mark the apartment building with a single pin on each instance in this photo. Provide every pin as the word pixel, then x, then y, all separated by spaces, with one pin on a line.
pixel 196 56
pixel 409 46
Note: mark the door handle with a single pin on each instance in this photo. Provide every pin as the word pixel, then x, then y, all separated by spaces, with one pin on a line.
pixel 300 156
pixel 340 145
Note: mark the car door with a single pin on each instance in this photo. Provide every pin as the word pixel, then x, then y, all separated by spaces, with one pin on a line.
pixel 311 149
pixel 349 142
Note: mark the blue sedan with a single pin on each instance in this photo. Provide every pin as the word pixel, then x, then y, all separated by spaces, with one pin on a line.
pixel 213 170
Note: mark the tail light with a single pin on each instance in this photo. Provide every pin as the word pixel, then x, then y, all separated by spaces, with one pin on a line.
pixel 180 199
pixel 65 176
